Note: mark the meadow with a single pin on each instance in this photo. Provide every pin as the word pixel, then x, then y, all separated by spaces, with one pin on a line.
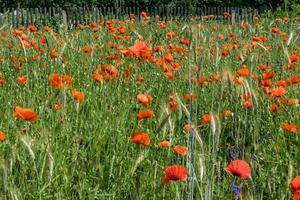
pixel 151 109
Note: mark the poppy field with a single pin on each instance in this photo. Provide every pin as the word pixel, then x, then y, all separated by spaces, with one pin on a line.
pixel 151 109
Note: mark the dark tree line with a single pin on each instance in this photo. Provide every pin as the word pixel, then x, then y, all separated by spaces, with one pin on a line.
pixel 140 3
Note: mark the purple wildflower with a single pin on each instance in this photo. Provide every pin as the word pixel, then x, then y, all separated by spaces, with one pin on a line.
pixel 231 153
pixel 236 189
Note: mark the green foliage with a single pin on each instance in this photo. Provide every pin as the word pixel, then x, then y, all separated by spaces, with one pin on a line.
pixel 141 3
pixel 290 8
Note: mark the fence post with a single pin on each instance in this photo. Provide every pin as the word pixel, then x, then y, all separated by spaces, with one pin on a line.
pixel 64 18
pixel 233 16
pixel 2 18
pixel 255 14
pixel 249 14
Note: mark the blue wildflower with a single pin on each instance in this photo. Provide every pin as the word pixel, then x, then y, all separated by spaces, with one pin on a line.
pixel 231 153
pixel 236 189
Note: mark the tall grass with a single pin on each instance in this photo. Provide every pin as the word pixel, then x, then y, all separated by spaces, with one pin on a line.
pixel 84 151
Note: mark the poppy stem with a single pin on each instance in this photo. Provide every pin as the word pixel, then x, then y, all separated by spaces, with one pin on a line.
pixel 191 141
pixel 241 197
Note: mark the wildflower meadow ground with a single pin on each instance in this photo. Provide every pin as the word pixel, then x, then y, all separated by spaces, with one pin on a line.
pixel 151 109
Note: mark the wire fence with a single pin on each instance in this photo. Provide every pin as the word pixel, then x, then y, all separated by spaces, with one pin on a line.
pixel 71 16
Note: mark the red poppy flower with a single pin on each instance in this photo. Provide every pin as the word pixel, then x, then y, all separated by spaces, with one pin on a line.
pixel 187 128
pixel 105 72
pixel 159 48
pixel 87 49
pixel 281 83
pixel 144 14
pixel 55 80
pixel 184 41
pixel 92 23
pixel 277 92
pixel 170 35
pixel 140 78
pixel 256 38
pixel 25 114
pixel 224 53
pixel 239 168
pixel 293 58
pixel 169 74
pixel 24 37
pixel 43 40
pixel 289 127
pixel 263 67
pixel 244 71
pixel 32 28
pixel 295 184
pixel 54 53
pixel 121 29
pixel 2 136
pixel 164 144
pixel 144 99
pixel 22 80
pixel 79 96
pixel 274 108
pixel 145 114
pixel 296 195
pixel 173 105
pixel 181 150
pixel 2 82
pixel 266 83
pixel 293 80
pixel 169 57
pixel 58 107
pixel 175 173
pixel 206 119
pixel 247 104
pixel 221 36
pixel 46 28
pixel 140 138
pixel 140 50
pixel 231 35
pixel 190 96
pixel 97 77
pixel 227 14
pixel 247 96
pixel 275 30
pixel 227 113
pixel 66 79
pixel 268 75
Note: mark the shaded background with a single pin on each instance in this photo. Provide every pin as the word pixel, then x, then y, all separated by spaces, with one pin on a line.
pixel 142 3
